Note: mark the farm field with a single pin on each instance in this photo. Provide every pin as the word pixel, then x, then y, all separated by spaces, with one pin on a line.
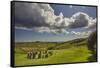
pixel 73 51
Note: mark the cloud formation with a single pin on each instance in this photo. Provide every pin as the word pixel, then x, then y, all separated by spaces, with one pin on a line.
pixel 85 33
pixel 41 18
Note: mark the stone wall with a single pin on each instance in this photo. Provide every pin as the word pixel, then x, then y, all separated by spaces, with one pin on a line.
pixel 39 54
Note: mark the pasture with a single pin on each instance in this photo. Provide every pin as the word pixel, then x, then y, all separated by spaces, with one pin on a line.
pixel 51 52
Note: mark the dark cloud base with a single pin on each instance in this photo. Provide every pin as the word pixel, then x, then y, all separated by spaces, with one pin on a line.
pixel 41 18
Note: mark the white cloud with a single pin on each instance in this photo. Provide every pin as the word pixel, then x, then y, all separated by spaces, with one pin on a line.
pixel 92 23
pixel 41 18
pixel 80 19
pixel 42 29
pixel 85 33
pixel 23 28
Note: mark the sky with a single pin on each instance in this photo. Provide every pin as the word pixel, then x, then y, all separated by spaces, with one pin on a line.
pixel 53 22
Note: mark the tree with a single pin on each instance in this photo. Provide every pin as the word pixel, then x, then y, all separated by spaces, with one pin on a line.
pixel 92 41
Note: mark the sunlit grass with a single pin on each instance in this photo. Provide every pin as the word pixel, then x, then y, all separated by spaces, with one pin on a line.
pixel 71 55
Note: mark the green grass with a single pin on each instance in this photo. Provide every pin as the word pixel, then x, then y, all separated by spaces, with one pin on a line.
pixel 70 55
pixel 73 51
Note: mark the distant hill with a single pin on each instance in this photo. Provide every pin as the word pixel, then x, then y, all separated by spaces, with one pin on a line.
pixel 54 45
pixel 77 40
pixel 71 43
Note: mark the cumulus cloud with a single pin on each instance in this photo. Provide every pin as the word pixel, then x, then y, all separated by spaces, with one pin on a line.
pixel 41 18
pixel 33 15
pixel 29 15
pixel 92 24
pixel 79 20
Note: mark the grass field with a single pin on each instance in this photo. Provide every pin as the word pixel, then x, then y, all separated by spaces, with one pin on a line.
pixel 66 52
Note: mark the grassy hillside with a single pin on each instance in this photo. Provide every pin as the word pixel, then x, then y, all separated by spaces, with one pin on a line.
pixel 64 52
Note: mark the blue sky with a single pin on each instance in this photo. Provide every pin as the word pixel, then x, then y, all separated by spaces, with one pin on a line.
pixel 69 10
pixel 29 34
